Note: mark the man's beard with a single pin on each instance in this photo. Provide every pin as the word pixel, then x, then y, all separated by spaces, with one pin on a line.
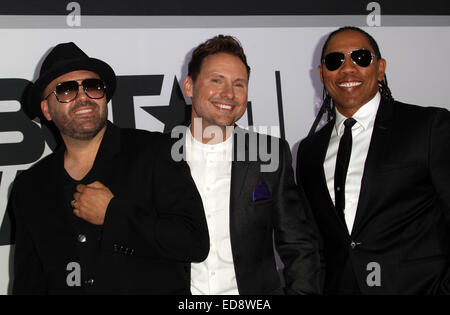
pixel 81 129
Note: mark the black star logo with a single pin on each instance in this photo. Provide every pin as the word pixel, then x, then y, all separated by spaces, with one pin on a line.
pixel 176 113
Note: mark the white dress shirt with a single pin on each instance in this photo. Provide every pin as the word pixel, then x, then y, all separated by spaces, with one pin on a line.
pixel 210 166
pixel 361 135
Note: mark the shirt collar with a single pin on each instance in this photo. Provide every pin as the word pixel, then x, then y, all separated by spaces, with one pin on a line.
pixel 364 116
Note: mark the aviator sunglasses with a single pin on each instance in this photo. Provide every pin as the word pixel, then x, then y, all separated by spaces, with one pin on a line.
pixel 361 57
pixel 67 91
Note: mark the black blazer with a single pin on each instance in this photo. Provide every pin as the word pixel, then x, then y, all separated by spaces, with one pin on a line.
pixel 153 225
pixel 402 209
pixel 281 218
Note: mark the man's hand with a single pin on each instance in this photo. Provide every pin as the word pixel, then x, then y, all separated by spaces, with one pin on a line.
pixel 91 201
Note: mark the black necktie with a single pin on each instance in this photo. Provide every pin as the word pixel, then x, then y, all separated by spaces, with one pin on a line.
pixel 340 172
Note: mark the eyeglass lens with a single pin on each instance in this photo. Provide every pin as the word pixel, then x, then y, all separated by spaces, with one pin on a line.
pixel 68 91
pixel 361 57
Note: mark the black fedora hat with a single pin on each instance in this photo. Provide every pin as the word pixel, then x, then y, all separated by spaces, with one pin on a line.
pixel 64 58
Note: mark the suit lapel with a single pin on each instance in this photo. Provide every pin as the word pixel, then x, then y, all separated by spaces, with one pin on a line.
pixel 319 151
pixel 103 167
pixel 239 169
pixel 238 174
pixel 319 157
pixel 55 188
pixel 56 213
pixel 378 145
pixel 244 173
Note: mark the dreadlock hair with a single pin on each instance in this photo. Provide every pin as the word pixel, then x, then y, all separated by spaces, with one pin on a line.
pixel 327 104
pixel 385 92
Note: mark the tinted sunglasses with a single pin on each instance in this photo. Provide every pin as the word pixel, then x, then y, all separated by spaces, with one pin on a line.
pixel 361 57
pixel 67 91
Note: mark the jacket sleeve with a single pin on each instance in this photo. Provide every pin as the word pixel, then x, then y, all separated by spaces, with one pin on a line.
pixel 440 158
pixel 28 271
pixel 172 227
pixel 296 238
pixel 439 164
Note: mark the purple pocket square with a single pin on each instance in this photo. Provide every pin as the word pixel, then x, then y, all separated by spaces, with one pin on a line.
pixel 261 192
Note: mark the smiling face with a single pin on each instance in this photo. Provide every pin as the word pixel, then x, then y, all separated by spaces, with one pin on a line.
pixel 80 119
pixel 351 86
pixel 219 93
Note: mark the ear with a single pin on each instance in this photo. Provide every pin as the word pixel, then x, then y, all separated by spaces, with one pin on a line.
pixel 320 72
pixel 381 69
pixel 45 111
pixel 188 86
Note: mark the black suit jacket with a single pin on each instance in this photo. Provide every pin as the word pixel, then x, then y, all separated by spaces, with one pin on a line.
pixel 282 219
pixel 154 224
pixel 402 215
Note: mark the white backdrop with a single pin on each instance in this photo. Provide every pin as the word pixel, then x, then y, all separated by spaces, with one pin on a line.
pixel 417 69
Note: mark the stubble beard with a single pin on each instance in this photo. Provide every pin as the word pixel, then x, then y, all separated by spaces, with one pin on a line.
pixel 82 128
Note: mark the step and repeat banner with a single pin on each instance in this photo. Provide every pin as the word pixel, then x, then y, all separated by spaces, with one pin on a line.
pixel 148 44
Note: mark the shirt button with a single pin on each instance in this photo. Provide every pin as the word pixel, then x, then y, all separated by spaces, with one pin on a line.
pixel 213 273
pixel 338 188
pixel 207 188
pixel 354 244
pixel 82 238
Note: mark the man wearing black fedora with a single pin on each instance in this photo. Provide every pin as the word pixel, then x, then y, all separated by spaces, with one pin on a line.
pixel 103 213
